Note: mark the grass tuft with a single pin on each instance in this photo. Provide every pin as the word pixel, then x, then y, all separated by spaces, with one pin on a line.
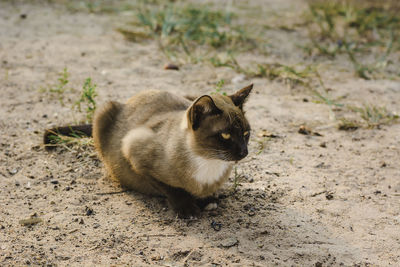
pixel 355 28
pixel 374 116
pixel 292 75
pixel 74 142
pixel 348 125
pixel 189 31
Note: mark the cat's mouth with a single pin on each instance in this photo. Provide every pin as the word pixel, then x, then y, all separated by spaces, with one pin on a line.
pixel 235 158
pixel 230 156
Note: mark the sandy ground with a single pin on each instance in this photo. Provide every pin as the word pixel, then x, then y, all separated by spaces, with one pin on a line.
pixel 304 200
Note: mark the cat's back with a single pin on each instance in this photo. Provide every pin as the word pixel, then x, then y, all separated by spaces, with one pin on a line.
pixel 153 102
pixel 152 107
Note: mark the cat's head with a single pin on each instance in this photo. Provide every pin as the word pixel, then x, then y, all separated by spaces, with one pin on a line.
pixel 219 127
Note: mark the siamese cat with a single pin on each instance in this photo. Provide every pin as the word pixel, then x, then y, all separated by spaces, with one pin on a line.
pixel 159 143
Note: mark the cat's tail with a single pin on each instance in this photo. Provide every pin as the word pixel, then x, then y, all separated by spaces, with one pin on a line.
pixel 50 135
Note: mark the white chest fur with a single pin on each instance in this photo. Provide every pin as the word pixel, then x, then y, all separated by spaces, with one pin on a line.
pixel 209 171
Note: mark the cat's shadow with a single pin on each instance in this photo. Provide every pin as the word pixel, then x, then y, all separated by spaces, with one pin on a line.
pixel 256 223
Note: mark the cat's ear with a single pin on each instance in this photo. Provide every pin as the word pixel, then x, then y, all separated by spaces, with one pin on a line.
pixel 204 106
pixel 240 96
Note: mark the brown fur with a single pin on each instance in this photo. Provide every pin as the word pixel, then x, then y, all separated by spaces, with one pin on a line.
pixel 151 144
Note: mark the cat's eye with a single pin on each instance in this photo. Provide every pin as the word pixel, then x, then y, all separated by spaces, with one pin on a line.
pixel 225 135
pixel 246 133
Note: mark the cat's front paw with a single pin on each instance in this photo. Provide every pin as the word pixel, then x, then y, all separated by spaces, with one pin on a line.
pixel 186 209
pixel 203 203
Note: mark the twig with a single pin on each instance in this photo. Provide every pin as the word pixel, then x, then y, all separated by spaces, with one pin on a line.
pixel 158 235
pixel 93 248
pixel 111 193
pixel 188 255
pixel 317 194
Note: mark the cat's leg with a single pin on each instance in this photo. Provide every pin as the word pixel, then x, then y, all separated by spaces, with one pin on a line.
pixel 181 201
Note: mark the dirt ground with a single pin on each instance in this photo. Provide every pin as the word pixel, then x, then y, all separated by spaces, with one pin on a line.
pixel 303 200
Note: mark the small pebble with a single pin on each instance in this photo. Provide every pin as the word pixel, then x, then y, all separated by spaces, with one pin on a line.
pixel 30 221
pixel 171 66
pixel 329 196
pixel 216 226
pixel 239 78
pixel 13 171
pixel 229 242
pixel 89 211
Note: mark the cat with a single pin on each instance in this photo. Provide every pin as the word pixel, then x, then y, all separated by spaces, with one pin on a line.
pixel 159 143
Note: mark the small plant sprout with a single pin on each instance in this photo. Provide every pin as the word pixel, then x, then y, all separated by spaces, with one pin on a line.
pixel 87 99
pixel 236 180
pixel 218 87
pixel 60 88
